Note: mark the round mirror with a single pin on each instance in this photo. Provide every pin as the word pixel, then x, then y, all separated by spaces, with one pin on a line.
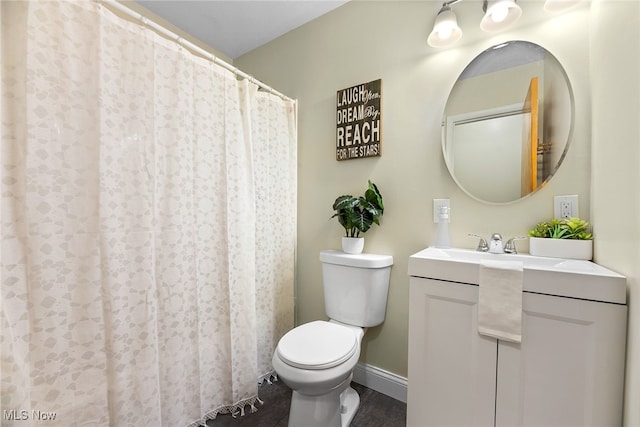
pixel 507 122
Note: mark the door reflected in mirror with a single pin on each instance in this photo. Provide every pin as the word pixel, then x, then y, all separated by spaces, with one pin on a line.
pixel 507 122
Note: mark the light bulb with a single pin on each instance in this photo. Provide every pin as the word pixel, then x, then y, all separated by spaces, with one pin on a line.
pixel 499 13
pixel 444 32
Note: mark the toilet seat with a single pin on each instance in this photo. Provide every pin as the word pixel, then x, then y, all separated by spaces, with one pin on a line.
pixel 317 345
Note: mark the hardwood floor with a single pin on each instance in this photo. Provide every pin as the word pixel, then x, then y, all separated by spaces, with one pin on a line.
pixel 376 409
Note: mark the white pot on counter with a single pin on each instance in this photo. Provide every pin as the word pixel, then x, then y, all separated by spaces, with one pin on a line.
pixel 561 248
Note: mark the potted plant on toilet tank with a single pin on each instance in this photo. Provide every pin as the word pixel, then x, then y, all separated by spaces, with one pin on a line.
pixel 562 238
pixel 357 215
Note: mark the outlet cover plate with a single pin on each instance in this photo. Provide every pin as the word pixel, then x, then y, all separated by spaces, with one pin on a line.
pixel 565 206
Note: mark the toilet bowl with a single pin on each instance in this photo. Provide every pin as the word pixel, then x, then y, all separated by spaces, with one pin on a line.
pixel 316 359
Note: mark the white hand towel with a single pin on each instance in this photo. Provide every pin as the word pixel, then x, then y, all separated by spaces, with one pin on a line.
pixel 500 300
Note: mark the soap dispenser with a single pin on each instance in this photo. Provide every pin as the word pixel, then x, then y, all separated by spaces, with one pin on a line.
pixel 442 230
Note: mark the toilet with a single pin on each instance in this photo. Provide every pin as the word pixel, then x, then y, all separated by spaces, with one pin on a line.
pixel 316 359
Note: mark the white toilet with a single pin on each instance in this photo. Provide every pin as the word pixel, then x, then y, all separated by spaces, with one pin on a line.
pixel 316 360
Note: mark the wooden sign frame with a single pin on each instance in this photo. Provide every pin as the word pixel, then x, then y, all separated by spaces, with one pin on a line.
pixel 359 121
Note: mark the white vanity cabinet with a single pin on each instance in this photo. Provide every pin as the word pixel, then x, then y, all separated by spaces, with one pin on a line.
pixel 568 370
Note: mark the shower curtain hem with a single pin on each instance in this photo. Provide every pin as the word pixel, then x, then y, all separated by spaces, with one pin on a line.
pixel 229 409
pixel 269 377
pixel 233 409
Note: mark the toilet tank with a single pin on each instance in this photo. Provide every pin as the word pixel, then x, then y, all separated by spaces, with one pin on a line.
pixel 355 287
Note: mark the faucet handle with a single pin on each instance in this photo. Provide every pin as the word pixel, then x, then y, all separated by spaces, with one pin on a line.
pixel 482 244
pixel 510 246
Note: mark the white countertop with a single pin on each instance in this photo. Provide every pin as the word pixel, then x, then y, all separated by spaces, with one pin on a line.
pixel 550 276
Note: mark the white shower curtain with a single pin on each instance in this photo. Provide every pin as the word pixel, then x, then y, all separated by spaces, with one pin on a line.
pixel 148 224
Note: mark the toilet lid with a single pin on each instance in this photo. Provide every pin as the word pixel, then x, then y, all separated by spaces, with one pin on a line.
pixel 317 345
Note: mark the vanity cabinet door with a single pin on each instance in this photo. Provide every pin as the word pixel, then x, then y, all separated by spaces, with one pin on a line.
pixel 452 369
pixel 569 368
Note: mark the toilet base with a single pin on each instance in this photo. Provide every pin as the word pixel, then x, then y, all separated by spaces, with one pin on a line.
pixel 333 409
pixel 349 403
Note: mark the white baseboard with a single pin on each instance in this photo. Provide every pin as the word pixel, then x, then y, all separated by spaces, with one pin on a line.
pixel 381 381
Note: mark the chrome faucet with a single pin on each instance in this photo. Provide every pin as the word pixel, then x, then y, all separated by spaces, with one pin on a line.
pixel 495 245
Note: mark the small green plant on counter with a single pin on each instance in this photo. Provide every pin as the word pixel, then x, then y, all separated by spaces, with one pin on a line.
pixel 357 214
pixel 566 228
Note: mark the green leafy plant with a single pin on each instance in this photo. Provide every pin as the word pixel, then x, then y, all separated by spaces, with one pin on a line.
pixel 358 214
pixel 566 228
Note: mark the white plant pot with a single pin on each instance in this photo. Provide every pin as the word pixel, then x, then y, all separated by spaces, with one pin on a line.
pixel 561 248
pixel 352 245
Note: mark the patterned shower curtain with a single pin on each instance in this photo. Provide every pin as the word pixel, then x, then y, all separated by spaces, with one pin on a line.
pixel 148 224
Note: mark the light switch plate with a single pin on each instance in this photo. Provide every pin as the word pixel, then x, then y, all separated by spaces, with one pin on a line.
pixel 437 204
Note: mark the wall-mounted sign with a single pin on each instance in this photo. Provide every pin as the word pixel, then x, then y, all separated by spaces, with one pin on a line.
pixel 358 132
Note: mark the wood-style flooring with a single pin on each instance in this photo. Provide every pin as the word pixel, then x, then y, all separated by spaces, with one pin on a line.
pixel 376 409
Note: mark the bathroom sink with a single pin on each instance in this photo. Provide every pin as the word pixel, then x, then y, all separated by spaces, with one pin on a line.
pixel 551 276
pixel 466 255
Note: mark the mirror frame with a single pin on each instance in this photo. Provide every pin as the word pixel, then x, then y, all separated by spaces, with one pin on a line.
pixel 567 134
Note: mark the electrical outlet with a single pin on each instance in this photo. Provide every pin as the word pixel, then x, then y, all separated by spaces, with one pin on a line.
pixel 565 206
pixel 437 204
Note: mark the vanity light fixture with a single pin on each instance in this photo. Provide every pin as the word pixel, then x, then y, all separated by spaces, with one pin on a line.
pixel 445 30
pixel 499 14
